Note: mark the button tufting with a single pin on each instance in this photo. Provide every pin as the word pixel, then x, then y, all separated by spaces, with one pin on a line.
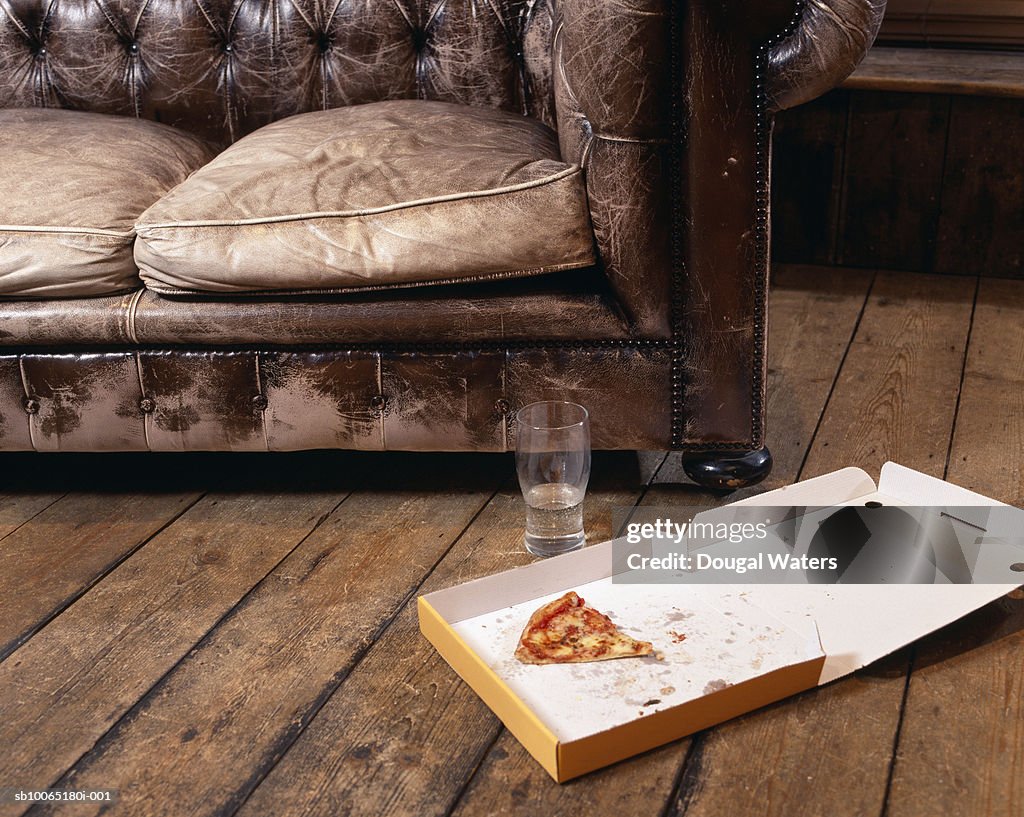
pixel 134 48
pixel 147 405
pixel 324 41
pixel 31 405
pixel 378 402
pixel 41 53
pixel 259 402
pixel 227 48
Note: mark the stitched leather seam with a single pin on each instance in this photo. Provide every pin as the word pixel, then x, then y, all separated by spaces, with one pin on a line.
pixel 96 232
pixel 142 393
pixel 556 48
pixel 28 395
pixel 15 21
pixel 133 308
pixel 762 237
pixel 572 170
pixel 380 390
pixel 374 346
pixel 262 389
pixel 585 156
pixel 676 305
pixel 506 443
pixel 633 140
pixel 515 44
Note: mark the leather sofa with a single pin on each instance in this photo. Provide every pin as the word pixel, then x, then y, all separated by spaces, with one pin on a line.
pixel 622 262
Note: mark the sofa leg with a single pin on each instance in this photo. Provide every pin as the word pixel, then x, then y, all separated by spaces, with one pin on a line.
pixel 727 470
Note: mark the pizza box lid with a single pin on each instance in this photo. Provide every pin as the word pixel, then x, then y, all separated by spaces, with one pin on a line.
pixel 726 649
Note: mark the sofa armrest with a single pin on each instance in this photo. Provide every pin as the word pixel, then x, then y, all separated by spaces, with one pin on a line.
pixel 613 101
pixel 667 107
pixel 829 41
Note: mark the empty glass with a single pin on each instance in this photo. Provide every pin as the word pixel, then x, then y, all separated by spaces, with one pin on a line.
pixel 553 462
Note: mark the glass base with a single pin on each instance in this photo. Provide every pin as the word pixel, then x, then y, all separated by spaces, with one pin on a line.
pixel 554 546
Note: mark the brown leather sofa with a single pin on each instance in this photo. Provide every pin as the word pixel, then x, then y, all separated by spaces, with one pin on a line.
pixel 621 264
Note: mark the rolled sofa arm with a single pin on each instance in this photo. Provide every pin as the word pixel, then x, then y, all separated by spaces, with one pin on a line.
pixel 656 101
pixel 829 41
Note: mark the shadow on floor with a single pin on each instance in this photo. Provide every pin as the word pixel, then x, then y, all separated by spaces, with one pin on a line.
pixel 282 472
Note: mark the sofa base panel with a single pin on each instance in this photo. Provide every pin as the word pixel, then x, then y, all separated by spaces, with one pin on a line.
pixel 260 400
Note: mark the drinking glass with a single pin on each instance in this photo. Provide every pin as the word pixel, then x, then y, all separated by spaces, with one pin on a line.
pixel 553 463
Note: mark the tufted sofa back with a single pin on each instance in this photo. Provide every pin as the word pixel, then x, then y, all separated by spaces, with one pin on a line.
pixel 222 68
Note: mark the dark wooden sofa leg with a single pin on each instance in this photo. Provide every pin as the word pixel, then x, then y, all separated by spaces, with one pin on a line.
pixel 728 470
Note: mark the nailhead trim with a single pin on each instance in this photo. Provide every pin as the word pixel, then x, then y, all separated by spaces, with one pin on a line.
pixel 762 137
pixel 761 225
pixel 678 384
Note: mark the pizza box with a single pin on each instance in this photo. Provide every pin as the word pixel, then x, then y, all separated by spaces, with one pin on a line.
pixel 722 649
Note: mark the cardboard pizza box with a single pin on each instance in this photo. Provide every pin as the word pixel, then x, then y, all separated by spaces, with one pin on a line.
pixel 723 649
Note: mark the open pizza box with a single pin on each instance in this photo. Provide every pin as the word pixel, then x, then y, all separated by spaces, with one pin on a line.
pixel 723 649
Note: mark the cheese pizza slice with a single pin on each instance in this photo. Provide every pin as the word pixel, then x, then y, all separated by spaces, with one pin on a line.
pixel 566 631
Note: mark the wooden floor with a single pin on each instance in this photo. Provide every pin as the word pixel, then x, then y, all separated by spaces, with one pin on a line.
pixel 236 634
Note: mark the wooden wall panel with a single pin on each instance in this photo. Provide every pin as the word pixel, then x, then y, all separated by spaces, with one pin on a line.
pixel 914 181
pixel 981 228
pixel 893 180
pixel 808 157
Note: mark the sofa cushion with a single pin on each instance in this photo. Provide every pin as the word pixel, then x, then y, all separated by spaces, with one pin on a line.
pixel 397 193
pixel 73 185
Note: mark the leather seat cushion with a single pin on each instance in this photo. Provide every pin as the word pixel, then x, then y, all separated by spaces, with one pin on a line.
pixel 397 193
pixel 73 185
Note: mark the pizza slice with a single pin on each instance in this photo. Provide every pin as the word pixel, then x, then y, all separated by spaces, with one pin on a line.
pixel 566 631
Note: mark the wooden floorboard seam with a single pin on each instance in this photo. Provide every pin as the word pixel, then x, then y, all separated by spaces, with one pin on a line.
pixel 677 782
pixel 643 492
pixel 128 713
pixel 26 521
pixel 835 378
pixel 912 655
pixel 485 751
pixel 839 214
pixel 944 188
pixel 963 376
pixel 688 778
pixel 912 651
pixel 11 647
